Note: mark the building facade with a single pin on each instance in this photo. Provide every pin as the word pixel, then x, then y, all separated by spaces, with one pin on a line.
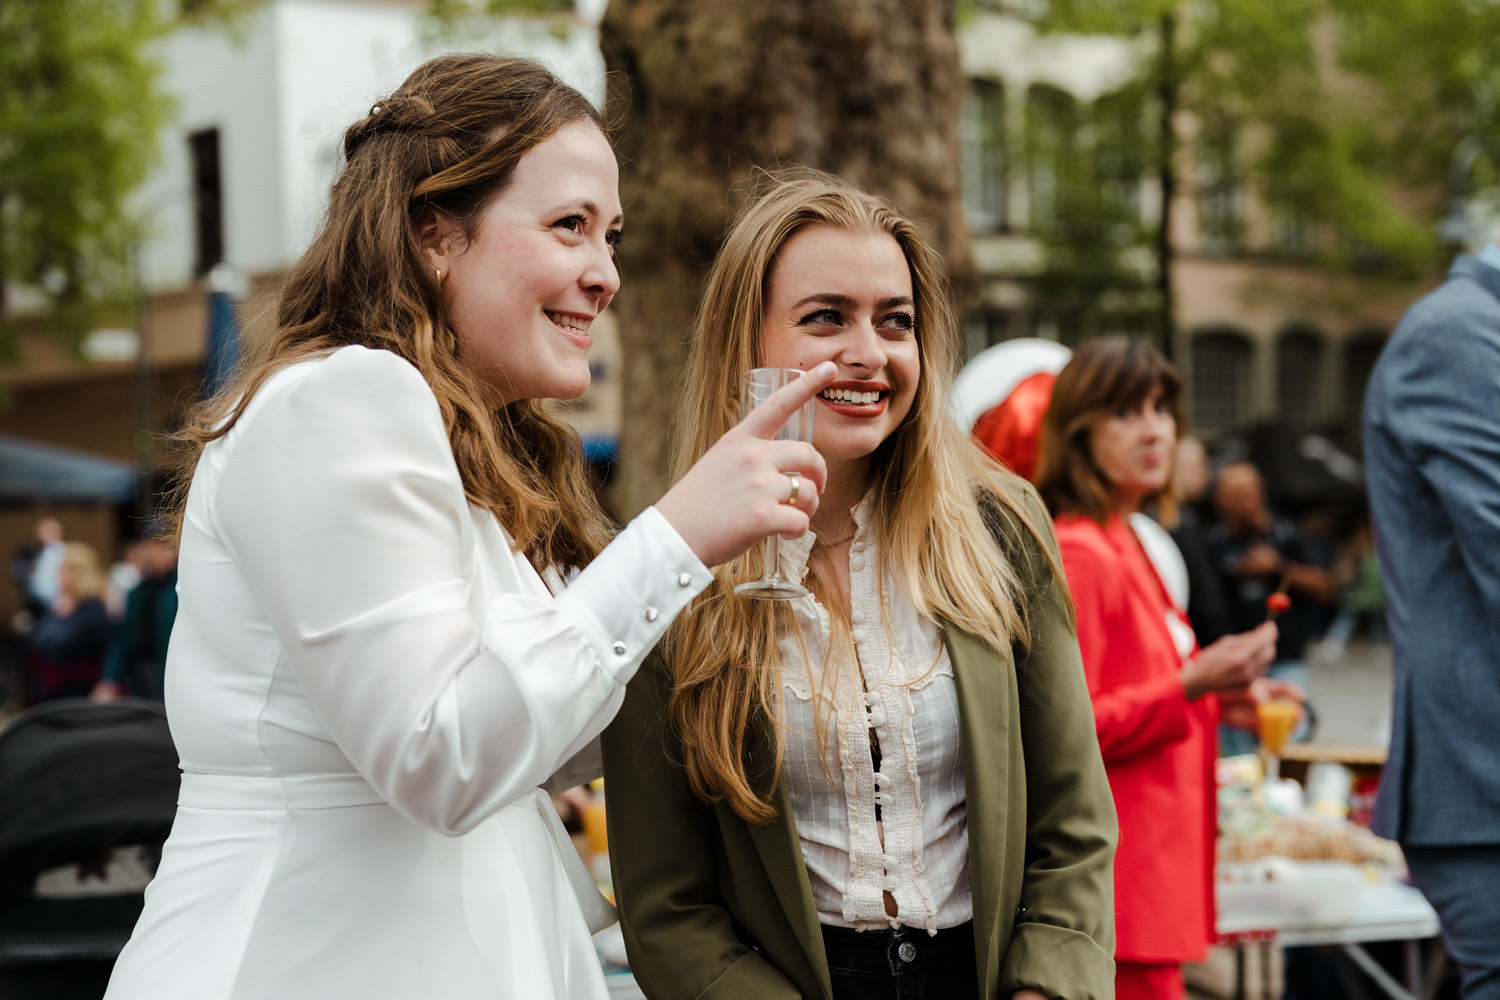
pixel 1262 335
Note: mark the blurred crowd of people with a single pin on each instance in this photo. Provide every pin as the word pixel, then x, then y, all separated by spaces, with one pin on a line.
pixel 1239 551
pixel 86 629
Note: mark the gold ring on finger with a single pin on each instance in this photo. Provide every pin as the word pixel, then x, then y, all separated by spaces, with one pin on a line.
pixel 796 482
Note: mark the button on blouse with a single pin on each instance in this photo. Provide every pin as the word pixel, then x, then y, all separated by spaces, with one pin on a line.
pixel 840 801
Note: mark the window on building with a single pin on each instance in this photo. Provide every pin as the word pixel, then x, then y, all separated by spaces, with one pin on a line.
pixel 1120 157
pixel 208 200
pixel 1219 396
pixel 1299 376
pixel 1291 228
pixel 984 163
pixel 1051 147
pixel 1218 196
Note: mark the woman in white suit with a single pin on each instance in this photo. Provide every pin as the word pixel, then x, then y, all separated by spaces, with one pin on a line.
pixel 376 665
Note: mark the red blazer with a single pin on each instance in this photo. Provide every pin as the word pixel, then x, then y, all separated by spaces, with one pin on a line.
pixel 1159 748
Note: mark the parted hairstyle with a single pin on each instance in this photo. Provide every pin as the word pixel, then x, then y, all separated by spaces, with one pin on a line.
pixel 929 481
pixel 1104 375
pixel 444 144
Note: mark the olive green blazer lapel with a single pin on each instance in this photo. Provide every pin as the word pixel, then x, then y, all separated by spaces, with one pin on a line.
pixel 987 699
pixel 780 852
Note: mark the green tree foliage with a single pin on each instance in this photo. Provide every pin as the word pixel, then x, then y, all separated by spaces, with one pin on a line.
pixel 451 20
pixel 1434 66
pixel 1337 115
pixel 80 112
pixel 1085 169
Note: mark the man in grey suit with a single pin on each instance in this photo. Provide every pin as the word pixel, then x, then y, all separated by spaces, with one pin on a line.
pixel 1432 453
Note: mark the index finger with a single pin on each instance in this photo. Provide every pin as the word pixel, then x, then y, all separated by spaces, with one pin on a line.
pixel 768 418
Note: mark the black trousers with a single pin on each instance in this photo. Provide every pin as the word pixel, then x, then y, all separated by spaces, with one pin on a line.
pixel 902 964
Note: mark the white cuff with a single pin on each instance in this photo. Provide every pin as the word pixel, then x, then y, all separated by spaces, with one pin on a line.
pixel 623 601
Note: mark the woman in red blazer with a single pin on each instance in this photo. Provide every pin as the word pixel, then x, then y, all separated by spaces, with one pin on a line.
pixel 1108 442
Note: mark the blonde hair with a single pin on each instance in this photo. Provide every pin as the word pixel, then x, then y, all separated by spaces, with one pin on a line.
pixel 87 574
pixel 443 145
pixel 930 482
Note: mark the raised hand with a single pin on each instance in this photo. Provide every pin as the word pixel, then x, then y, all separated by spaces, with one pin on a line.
pixel 1232 662
pixel 738 492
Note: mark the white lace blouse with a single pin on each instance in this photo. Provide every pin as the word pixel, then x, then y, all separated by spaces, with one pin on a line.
pixel 909 699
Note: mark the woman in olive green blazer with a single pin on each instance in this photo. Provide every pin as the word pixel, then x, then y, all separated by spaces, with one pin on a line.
pixel 714 892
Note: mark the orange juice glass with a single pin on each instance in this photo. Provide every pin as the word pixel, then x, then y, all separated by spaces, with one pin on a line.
pixel 594 827
pixel 1277 719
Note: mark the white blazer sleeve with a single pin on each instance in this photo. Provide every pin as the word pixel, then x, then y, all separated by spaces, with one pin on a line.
pixel 339 499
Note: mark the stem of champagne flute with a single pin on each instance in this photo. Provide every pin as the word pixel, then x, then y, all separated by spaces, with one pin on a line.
pixel 773 559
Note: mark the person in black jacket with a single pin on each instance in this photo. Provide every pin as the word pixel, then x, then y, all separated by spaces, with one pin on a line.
pixel 1207 608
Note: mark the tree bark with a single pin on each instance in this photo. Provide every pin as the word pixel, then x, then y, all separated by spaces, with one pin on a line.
pixel 714 92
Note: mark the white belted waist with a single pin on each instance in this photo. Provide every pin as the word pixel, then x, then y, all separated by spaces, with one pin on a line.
pixel 280 791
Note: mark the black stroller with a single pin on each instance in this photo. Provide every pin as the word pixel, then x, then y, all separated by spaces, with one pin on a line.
pixel 77 781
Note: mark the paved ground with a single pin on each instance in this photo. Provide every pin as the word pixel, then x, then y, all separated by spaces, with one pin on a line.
pixel 1352 695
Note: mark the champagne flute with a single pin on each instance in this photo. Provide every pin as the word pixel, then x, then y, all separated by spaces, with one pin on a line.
pixel 756 386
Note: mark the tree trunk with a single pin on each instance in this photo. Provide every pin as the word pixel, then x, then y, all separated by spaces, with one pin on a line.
pixel 712 92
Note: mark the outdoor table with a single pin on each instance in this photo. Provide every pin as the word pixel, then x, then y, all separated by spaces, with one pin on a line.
pixel 1384 910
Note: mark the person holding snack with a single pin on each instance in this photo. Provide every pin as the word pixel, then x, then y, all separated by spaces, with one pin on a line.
pixel 1108 442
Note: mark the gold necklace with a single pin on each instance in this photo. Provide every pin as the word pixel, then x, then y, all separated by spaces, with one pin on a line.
pixel 825 542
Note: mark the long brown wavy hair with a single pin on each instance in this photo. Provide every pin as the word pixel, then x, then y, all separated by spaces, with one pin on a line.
pixel 1103 375
pixel 444 144
pixel 930 481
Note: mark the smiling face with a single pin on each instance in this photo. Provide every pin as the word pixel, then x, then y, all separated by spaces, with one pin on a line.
pixel 843 296
pixel 1133 448
pixel 523 291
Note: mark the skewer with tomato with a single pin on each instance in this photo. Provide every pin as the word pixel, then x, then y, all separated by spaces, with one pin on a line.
pixel 1279 601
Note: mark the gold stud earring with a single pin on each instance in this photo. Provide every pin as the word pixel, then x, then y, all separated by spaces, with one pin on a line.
pixel 439 277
